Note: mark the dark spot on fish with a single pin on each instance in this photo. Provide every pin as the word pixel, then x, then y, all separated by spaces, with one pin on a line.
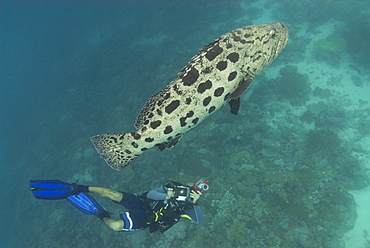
pixel 144 149
pixel 233 57
pixel 232 76
pixel 168 130
pixel 150 115
pixel 155 124
pixel 159 103
pixel 257 57
pixel 159 112
pixel 177 90
pixel 207 70
pixel 172 106
pixel 149 139
pixel 247 36
pixel 169 138
pixel 146 122
pixel 213 52
pixel 228 46
pixel 182 121
pixel 136 135
pixel 128 151
pixel 221 65
pixel 143 129
pixel 236 38
pixel 207 100
pixel 190 77
pixel 190 114
pixel 243 41
pixel 204 86
pixel 211 109
pixel 188 100
pixel 195 121
pixel 134 144
pixel 167 95
pixel 219 91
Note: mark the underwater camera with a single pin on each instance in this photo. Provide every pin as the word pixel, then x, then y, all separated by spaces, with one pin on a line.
pixel 202 186
pixel 182 192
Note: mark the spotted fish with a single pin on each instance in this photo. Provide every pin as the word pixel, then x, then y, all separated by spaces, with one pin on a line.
pixel 218 74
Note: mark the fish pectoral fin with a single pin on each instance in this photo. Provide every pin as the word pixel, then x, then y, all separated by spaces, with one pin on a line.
pixel 242 87
pixel 234 105
pixel 235 96
pixel 168 144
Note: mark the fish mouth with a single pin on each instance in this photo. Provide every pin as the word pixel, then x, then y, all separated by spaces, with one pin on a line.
pixel 283 32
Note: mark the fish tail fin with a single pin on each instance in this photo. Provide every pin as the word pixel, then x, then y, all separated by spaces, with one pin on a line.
pixel 118 150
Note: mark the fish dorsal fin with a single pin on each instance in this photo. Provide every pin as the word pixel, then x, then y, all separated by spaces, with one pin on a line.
pixel 148 107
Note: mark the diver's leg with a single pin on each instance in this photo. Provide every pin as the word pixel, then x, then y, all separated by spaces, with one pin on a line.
pixel 105 192
pixel 115 225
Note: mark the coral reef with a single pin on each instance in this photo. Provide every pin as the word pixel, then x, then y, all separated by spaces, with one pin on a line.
pixel 329 49
pixel 296 51
pixel 322 141
pixel 357 34
pixel 325 115
pixel 292 85
pixel 315 12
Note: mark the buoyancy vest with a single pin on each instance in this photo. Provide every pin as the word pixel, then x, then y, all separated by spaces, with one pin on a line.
pixel 163 214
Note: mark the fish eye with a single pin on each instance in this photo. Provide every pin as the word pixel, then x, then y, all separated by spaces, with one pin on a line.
pixel 272 32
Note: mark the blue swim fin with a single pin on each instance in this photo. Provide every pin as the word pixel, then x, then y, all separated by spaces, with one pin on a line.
pixel 52 189
pixel 88 205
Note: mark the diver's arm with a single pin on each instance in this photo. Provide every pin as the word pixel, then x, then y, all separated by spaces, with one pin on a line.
pixel 158 194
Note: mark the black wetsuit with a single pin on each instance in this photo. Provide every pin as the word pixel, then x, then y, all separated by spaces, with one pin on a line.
pixel 154 211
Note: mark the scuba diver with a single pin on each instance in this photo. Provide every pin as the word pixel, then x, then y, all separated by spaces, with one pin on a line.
pixel 158 209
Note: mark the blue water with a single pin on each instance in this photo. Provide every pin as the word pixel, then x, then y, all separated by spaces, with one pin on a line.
pixel 74 69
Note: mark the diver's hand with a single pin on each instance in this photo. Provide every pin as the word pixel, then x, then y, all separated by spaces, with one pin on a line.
pixel 195 195
pixel 170 193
